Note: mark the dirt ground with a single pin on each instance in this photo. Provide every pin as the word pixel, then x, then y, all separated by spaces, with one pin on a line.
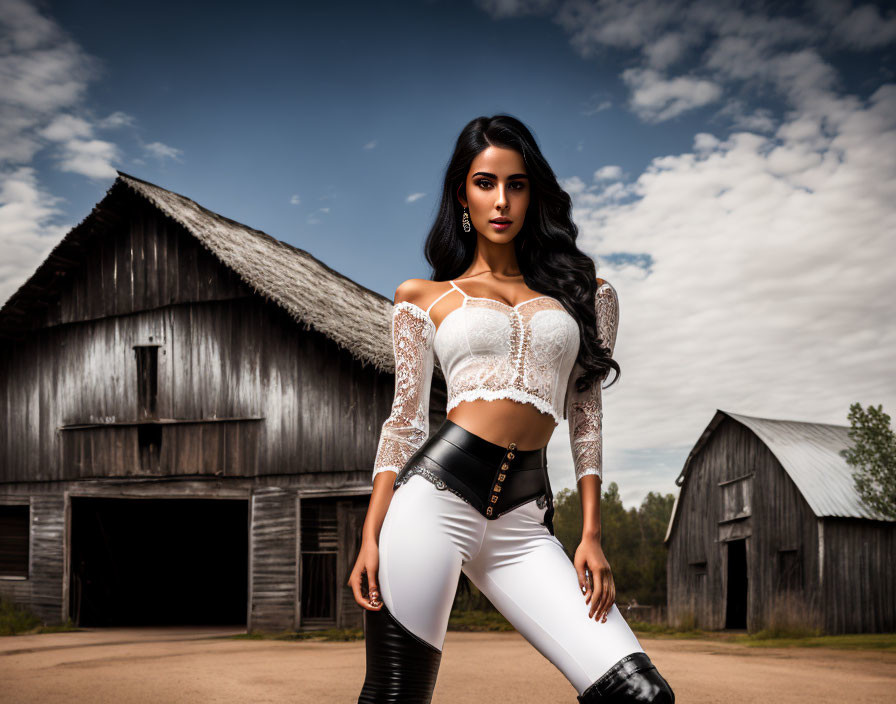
pixel 174 665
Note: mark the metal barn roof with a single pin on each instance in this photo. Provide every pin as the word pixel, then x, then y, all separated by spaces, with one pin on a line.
pixel 809 453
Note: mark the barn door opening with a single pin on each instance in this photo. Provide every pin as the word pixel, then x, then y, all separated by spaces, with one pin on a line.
pixel 140 562
pixel 736 611
pixel 320 549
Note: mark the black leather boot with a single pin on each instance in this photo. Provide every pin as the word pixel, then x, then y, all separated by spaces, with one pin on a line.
pixel 633 679
pixel 401 667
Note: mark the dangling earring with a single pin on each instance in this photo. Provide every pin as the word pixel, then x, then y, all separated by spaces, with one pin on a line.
pixel 466 220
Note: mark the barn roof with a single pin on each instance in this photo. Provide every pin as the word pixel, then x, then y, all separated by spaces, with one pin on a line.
pixel 315 295
pixel 809 453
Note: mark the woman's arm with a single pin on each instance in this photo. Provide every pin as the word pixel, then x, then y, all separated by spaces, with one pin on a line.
pixel 585 414
pixel 368 560
pixel 403 432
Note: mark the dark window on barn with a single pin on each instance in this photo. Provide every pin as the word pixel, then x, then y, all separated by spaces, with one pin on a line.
pixel 147 381
pixel 149 435
pixel 736 495
pixel 14 540
pixel 319 549
pixel 697 574
pixel 790 570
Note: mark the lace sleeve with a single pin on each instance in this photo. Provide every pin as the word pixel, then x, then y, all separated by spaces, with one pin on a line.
pixel 407 426
pixel 583 408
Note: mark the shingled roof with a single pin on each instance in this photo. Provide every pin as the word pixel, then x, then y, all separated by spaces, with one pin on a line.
pixel 316 296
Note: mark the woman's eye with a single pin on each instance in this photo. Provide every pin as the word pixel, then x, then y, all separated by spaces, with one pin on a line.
pixel 514 185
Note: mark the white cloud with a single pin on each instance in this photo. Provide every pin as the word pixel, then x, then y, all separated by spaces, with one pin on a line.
pixel 704 142
pixel 45 77
pixel 516 8
pixel 608 173
pixel 89 157
pixel 66 127
pixel 370 145
pixel 162 151
pixel 115 120
pixel 295 200
pixel 414 196
pixel 600 107
pixel 727 41
pixel 861 27
pixel 769 291
pixel 655 98
pixel 742 117
pixel 668 49
pixel 27 224
pixel 753 270
pixel 313 218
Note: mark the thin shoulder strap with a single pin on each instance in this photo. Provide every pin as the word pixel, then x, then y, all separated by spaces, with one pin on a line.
pixel 440 298
pixel 459 289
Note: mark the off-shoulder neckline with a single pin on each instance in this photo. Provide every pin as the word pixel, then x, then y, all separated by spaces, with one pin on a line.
pixel 419 312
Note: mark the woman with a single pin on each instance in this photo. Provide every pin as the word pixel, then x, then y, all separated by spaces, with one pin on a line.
pixel 523 331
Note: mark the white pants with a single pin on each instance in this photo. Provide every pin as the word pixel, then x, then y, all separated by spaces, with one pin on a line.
pixel 429 535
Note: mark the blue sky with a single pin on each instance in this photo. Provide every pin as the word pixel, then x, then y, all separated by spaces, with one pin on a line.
pixel 732 169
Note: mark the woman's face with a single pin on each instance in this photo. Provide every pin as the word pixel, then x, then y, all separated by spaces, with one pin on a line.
pixel 497 187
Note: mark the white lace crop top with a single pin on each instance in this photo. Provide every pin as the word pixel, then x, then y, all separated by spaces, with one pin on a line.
pixel 488 349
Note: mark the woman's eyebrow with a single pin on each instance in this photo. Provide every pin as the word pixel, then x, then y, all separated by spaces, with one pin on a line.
pixel 486 173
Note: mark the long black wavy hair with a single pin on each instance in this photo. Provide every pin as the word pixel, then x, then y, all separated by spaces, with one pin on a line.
pixel 549 259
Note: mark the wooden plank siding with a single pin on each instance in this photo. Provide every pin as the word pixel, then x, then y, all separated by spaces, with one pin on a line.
pixel 836 574
pixel 859 578
pixel 48 589
pixel 317 410
pixel 144 261
pixel 249 403
pixel 273 591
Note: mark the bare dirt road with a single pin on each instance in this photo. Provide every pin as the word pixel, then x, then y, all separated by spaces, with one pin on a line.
pixel 174 665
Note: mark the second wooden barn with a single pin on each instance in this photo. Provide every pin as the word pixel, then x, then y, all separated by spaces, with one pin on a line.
pixel 190 411
pixel 768 526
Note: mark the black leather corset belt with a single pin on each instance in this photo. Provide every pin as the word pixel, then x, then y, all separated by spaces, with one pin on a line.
pixel 492 478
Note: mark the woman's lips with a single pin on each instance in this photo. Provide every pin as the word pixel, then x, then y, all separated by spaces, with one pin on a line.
pixel 500 225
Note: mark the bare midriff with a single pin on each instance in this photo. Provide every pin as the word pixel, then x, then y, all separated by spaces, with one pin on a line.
pixel 504 421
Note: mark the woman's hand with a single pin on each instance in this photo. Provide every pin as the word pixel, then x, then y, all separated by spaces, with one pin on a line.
pixel 600 580
pixel 367 563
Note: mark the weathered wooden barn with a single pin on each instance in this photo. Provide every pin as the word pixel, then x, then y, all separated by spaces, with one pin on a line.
pixel 768 528
pixel 190 412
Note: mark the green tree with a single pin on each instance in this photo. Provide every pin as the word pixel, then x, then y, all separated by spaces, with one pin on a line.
pixel 632 540
pixel 874 456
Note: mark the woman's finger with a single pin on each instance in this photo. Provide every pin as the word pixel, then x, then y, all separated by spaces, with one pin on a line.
pixel 598 595
pixel 373 593
pixel 582 577
pixel 611 596
pixel 603 594
pixel 612 599
pixel 355 584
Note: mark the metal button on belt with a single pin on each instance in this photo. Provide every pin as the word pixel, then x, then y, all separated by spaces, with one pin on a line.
pixel 496 488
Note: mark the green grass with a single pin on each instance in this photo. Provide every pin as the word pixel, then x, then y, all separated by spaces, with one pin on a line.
pixel 849 641
pixel 16 620
pixel 775 638
pixel 478 621
pixel 661 630
pixel 328 635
